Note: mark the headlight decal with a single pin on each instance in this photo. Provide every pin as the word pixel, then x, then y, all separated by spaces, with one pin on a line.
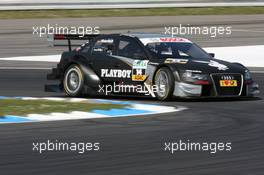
pixel 195 77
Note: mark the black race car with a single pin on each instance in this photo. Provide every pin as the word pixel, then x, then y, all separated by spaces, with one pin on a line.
pixel 150 64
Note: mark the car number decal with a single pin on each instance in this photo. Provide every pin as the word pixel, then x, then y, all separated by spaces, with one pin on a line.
pixel 139 70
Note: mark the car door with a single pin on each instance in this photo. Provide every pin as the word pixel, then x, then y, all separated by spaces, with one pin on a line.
pixel 103 62
pixel 133 57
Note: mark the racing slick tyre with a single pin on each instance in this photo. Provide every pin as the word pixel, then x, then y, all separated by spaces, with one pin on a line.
pixel 164 83
pixel 73 81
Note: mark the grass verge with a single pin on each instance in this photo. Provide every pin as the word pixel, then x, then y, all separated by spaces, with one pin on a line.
pixel 129 12
pixel 23 107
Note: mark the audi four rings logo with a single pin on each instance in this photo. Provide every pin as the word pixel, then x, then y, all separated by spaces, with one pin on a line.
pixel 227 77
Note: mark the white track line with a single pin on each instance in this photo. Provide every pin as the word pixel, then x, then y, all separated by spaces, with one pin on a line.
pixel 250 56
pixel 43 58
pixel 75 115
pixel 25 68
pixel 257 72
pixel 244 30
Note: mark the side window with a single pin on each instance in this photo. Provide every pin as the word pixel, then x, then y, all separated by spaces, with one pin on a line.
pixel 103 46
pixel 131 49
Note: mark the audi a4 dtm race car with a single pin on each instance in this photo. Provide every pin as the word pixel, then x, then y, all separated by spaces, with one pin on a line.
pixel 150 64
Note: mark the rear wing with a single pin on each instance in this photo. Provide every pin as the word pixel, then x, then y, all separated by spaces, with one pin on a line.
pixel 53 37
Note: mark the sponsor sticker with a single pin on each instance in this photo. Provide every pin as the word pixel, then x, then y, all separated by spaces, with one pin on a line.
pixel 218 65
pixel 115 73
pixel 109 40
pixel 173 40
pixel 228 83
pixel 212 63
pixel 146 41
pixel 139 70
pixel 175 60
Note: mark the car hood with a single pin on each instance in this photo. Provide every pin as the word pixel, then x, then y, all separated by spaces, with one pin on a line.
pixel 207 66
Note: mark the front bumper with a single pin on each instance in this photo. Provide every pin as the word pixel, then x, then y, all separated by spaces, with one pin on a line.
pixel 187 90
pixel 182 89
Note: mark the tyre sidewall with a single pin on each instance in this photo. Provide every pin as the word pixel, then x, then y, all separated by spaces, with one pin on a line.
pixel 170 87
pixel 79 72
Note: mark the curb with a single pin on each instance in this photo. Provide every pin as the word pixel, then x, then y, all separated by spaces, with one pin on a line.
pixel 135 109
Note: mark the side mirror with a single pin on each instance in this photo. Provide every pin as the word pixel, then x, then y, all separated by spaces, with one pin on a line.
pixel 212 55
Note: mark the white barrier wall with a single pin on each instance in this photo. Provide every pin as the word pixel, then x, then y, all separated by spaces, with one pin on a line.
pixel 92 4
pixel 121 1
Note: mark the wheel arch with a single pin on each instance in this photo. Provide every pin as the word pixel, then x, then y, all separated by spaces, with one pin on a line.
pixel 173 70
pixel 90 77
pixel 170 80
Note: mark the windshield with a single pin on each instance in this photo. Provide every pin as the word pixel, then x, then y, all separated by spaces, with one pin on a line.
pixel 177 50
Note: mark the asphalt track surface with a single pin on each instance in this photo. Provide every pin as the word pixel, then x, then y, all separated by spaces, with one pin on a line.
pixel 134 145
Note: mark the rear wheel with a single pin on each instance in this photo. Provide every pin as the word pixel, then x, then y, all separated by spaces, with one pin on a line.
pixel 73 82
pixel 164 82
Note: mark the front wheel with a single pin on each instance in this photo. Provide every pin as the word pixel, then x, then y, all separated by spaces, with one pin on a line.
pixel 164 83
pixel 73 81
